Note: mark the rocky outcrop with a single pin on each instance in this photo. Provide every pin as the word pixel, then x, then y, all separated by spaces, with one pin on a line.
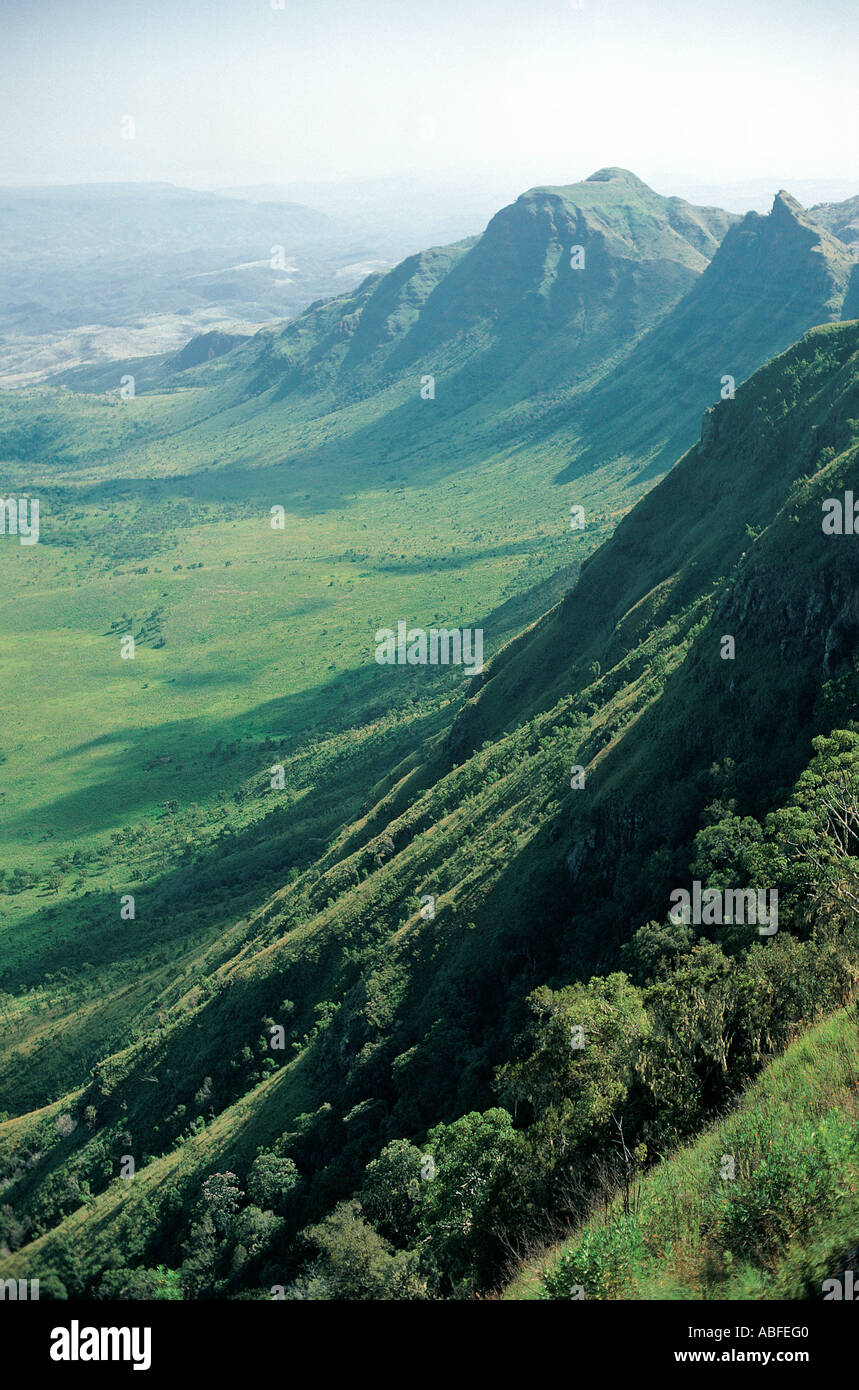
pixel 204 347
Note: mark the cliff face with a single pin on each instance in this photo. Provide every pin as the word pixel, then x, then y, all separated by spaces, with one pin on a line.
pixel 730 544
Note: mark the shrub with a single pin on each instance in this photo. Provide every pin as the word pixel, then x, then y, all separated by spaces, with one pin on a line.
pixel 601 1262
pixel 791 1185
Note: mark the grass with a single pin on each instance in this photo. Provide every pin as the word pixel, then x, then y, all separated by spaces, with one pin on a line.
pixel 774 1231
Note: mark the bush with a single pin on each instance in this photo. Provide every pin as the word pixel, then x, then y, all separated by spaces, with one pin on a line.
pixel 354 1262
pixel 141 1284
pixel 601 1262
pixel 791 1185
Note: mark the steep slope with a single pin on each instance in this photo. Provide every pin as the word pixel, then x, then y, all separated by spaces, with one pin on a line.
pixel 771 280
pixel 710 1246
pixel 397 1016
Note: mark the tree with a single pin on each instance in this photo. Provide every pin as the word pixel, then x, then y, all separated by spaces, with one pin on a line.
pixel 221 1199
pixel 52 1287
pixel 656 949
pixel 201 1258
pixel 254 1230
pixel 696 1017
pixel 271 1179
pixel 355 1262
pixel 460 1213
pixel 720 856
pixel 583 1049
pixel 813 845
pixel 392 1191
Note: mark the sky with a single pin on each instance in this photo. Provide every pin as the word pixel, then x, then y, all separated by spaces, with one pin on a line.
pixel 242 92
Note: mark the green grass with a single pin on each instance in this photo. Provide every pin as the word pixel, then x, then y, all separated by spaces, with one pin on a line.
pixel 774 1231
pixel 260 652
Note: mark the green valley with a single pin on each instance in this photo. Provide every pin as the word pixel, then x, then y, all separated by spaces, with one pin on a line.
pixel 291 942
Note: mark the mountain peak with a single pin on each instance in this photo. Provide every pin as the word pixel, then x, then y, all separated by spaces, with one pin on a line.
pixel 614 174
pixel 784 204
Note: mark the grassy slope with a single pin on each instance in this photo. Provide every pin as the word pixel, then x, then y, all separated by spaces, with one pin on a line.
pixel 687 1215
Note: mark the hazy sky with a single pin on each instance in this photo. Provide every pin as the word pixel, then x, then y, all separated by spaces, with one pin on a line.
pixel 230 92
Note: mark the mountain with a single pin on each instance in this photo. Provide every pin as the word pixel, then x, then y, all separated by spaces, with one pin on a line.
pixel 673 306
pixel 398 1017
pixel 462 362
pixel 772 278
pixel 507 314
pixel 671 303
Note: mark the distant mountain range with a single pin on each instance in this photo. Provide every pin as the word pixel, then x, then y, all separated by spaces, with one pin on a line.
pixel 96 271
pixel 605 367
pixel 100 273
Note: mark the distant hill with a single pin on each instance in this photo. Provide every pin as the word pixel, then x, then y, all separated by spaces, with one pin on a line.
pixel 203 348
pixel 94 272
pixel 842 219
